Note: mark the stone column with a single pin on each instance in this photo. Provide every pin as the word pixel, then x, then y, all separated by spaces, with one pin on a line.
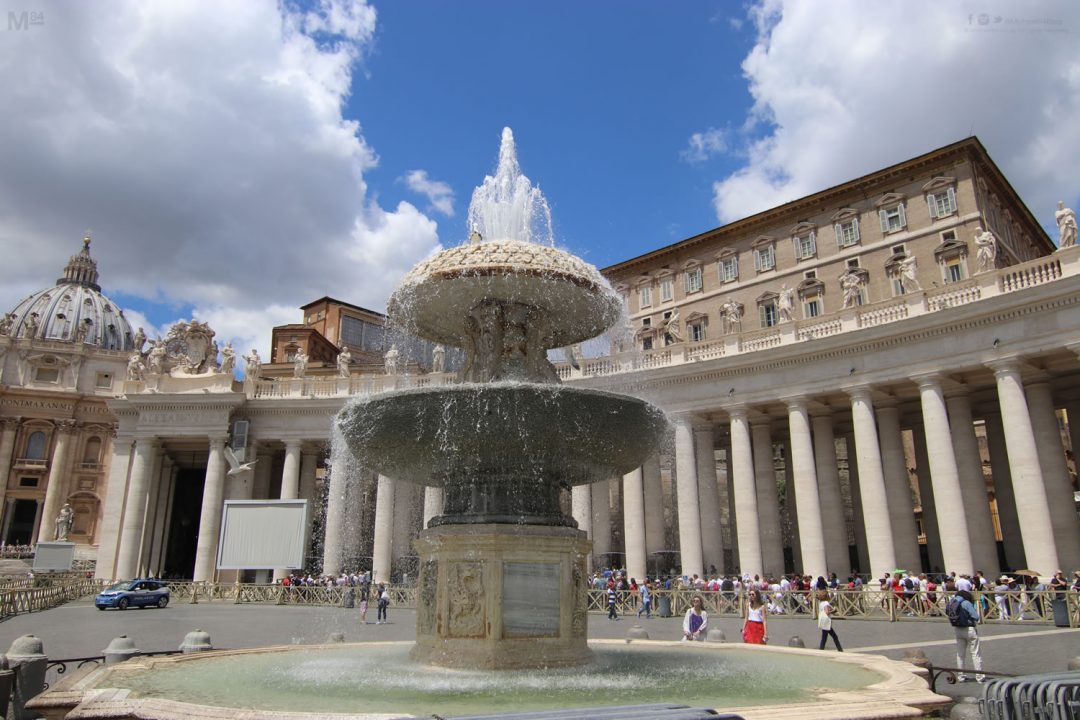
pixel 601 520
pixel 401 542
pixel 746 510
pixel 210 514
pixel 858 523
pixel 1072 410
pixel 54 491
pixel 434 499
pixel 164 511
pixel 8 428
pixel 1008 521
pixel 926 495
pixel 790 508
pixel 689 504
pixel 951 511
pixel 581 509
pixel 654 505
pixel 712 543
pixel 898 487
pixel 875 504
pixel 131 532
pixel 1056 479
pixel 1032 504
pixel 973 485
pixel 260 486
pixel 290 484
pixel 634 523
pixel 768 501
pixel 336 498
pixel 309 490
pixel 115 494
pixel 832 502
pixel 804 473
pixel 384 530
pixel 151 514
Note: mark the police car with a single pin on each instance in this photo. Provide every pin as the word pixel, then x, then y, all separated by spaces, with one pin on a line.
pixel 133 593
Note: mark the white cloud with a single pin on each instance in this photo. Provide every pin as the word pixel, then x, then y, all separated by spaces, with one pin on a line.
pixel 206 147
pixel 246 329
pixel 842 88
pixel 439 194
pixel 704 145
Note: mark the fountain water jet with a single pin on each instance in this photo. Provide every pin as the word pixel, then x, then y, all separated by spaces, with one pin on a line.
pixel 502 574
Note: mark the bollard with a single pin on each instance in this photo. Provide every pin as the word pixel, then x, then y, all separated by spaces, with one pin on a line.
pixel 26 656
pixel 195 593
pixel 120 649
pixel 966 708
pixel 7 684
pixel 796 642
pixel 637 633
pixel 196 641
pixel 336 637
pixel 715 635
pixel 349 599
pixel 916 657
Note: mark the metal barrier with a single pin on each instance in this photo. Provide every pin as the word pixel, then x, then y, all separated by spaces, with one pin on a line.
pixel 34 599
pixel 1051 696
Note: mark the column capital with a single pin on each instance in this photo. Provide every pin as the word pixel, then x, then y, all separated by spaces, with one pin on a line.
pixel 293 444
pixel 931 380
pixel 66 426
pixel 218 442
pixel 1007 366
pixel 9 423
pixel 737 412
pixel 145 441
pixel 796 402
pixel 860 392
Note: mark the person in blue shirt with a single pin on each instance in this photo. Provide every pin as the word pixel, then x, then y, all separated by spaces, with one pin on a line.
pixel 646 601
pixel 967 637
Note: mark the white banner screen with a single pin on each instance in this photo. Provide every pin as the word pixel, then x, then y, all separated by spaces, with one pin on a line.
pixel 53 556
pixel 262 534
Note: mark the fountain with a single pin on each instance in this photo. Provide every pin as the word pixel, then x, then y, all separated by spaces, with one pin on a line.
pixel 501 617
pixel 502 571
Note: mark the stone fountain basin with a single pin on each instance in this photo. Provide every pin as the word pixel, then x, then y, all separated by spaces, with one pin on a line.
pixel 436 436
pixel 374 681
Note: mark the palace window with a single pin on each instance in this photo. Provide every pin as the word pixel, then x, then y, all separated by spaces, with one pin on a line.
pixel 667 290
pixel 692 279
pixel 646 343
pixel 103 380
pixel 951 255
pixel 729 268
pixel 644 295
pixel 954 270
pixel 767 313
pixel 812 305
pixel 35 446
pixel 847 233
pixel 893 218
pixel 805 245
pixel 941 203
pixel 28 481
pixel 696 331
pixel 765 258
pixel 46 375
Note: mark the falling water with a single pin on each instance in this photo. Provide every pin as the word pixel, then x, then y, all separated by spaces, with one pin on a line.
pixel 507 206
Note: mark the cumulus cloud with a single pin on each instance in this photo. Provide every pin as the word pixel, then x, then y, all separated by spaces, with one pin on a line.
pixel 842 88
pixel 206 147
pixel 704 145
pixel 439 194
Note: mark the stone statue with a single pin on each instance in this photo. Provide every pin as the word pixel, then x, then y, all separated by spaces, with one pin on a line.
pixel 6 323
pixel 344 360
pixel 228 359
pixel 1066 222
pixel 391 360
pixel 64 521
pixel 300 364
pixel 438 359
pixel 136 370
pixel 81 331
pixel 785 303
pixel 30 325
pixel 908 266
pixel 987 249
pixel 212 357
pixel 732 313
pixel 672 327
pixel 140 340
pixel 851 287
pixel 155 359
pixel 252 365
pixel 189 345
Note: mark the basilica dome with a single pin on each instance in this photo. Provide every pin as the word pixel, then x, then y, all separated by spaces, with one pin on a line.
pixel 73 310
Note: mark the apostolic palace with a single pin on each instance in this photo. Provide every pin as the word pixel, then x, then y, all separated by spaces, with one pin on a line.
pixel 877 375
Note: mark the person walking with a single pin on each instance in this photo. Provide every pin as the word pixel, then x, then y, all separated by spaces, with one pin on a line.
pixel 612 597
pixel 755 631
pixel 384 602
pixel 696 621
pixel 964 618
pixel 365 590
pixel 825 623
pixel 646 601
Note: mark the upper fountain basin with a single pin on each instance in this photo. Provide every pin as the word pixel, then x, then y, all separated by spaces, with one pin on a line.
pixel 504 431
pixel 435 298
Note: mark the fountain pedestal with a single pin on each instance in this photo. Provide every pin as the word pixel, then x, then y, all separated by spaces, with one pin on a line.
pixel 502 596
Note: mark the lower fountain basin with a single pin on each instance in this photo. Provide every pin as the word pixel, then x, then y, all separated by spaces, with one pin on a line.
pixel 501 450
pixel 372 681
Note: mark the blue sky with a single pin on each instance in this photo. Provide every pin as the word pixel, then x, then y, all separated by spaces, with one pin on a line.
pixel 237 161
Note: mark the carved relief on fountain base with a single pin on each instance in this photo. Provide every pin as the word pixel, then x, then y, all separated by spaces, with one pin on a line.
pixel 504 596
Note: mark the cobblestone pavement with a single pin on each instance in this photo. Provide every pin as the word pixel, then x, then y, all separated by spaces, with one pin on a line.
pixel 80 630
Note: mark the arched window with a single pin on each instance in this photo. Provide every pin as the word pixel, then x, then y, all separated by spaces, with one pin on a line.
pixel 35 446
pixel 92 452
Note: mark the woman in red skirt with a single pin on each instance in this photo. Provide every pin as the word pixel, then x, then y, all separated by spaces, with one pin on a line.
pixel 754 630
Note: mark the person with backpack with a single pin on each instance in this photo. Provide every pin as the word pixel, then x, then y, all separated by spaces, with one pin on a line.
pixel 384 602
pixel 964 618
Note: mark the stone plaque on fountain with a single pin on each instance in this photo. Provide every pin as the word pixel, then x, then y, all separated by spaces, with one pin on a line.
pixel 531 599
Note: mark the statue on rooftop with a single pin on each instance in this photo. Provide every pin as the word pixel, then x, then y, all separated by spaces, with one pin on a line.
pixel 344 360
pixel 785 303
pixel 228 359
pixel 986 254
pixel 300 364
pixel 1066 222
pixel 252 365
